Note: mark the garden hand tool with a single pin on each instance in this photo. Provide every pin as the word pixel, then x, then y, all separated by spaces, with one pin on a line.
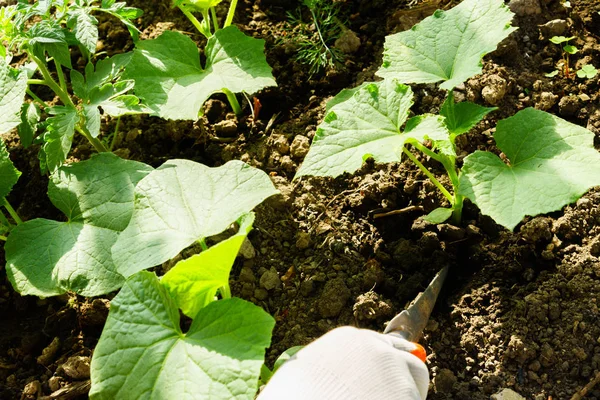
pixel 410 323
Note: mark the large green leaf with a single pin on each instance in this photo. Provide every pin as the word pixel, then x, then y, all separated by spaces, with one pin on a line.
pixel 552 163
pixel 13 85
pixel 9 175
pixel 169 78
pixel 447 46
pixel 368 124
pixel 47 258
pixel 193 283
pixel 182 202
pixel 142 353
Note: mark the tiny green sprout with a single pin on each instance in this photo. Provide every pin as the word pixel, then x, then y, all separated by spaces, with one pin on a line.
pixel 551 74
pixel 588 71
pixel 567 49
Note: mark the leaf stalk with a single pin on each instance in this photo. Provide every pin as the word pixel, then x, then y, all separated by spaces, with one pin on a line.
pixel 429 175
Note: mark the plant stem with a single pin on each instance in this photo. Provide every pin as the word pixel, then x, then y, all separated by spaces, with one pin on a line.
pixel 193 20
pixel 4 221
pixel 116 134
pixel 225 292
pixel 64 97
pixel 233 101
pixel 213 14
pixel 429 175
pixel 203 244
pixel 36 82
pixel 98 145
pixel 428 152
pixel 314 16
pixel 35 98
pixel 61 76
pixel 12 212
pixel 449 164
pixel 230 13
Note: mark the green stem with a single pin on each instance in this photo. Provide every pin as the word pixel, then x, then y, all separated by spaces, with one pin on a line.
pixel 64 96
pixel 233 101
pixel 2 237
pixel 429 175
pixel 203 244
pixel 98 145
pixel 193 20
pixel 35 98
pixel 230 13
pixel 213 14
pixel 4 221
pixel 449 164
pixel 426 151
pixel 61 76
pixel 225 292
pixel 12 212
pixel 36 82
pixel 116 134
pixel 321 35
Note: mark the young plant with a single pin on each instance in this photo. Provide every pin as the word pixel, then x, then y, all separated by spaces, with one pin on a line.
pixel 315 38
pixel 219 357
pixel 168 74
pixel 545 153
pixel 588 71
pixel 567 50
pixel 45 32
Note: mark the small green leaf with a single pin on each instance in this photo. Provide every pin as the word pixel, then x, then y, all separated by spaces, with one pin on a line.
pixel 182 202
pixel 92 119
pixel 193 283
pixel 48 37
pixel 9 175
pixel 30 117
pixel 368 123
pixel 438 215
pixel 85 27
pixel 570 49
pixel 48 258
pixel 551 74
pixel 447 46
pixel 587 71
pixel 552 163
pixel 561 39
pixel 142 353
pixel 13 85
pixel 170 80
pixel 462 117
pixel 58 137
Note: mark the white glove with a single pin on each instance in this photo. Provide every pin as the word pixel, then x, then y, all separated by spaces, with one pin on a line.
pixel 349 363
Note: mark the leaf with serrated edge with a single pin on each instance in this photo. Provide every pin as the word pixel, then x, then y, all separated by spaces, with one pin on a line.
pixel 48 258
pixel 58 137
pixel 193 283
pixel 552 163
pixel 368 123
pixel 462 117
pixel 182 202
pixel 447 46
pixel 169 78
pixel 13 85
pixel 143 354
pixel 30 117
pixel 9 175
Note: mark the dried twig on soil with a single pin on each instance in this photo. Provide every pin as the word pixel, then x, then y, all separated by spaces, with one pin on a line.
pixel 71 391
pixel 581 394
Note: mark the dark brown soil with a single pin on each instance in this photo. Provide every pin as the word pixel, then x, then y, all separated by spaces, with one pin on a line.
pixel 520 310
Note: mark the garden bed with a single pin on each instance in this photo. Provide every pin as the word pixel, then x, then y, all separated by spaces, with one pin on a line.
pixel 520 309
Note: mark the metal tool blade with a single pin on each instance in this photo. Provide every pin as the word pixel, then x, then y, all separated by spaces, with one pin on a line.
pixel 411 322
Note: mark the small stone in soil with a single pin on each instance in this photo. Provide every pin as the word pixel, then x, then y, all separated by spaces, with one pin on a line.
pixel 47 356
pixel 246 275
pixel 494 90
pixel 546 101
pixel 444 381
pixel 32 390
pixel 270 279
pixel 77 367
pixel 261 294
pixel 334 298
pixel 556 27
pixel 302 240
pixel 348 42
pixel 568 106
pixel 225 128
pixel 300 146
pixel 247 250
pixel 525 7
pixel 94 313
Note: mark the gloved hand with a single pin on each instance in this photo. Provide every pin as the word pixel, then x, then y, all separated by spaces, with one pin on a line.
pixel 349 363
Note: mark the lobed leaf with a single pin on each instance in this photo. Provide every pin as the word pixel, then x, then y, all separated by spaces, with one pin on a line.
pixel 182 202
pixel 368 124
pixel 47 258
pixel 170 79
pixel 142 353
pixel 552 163
pixel 193 283
pixel 447 46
